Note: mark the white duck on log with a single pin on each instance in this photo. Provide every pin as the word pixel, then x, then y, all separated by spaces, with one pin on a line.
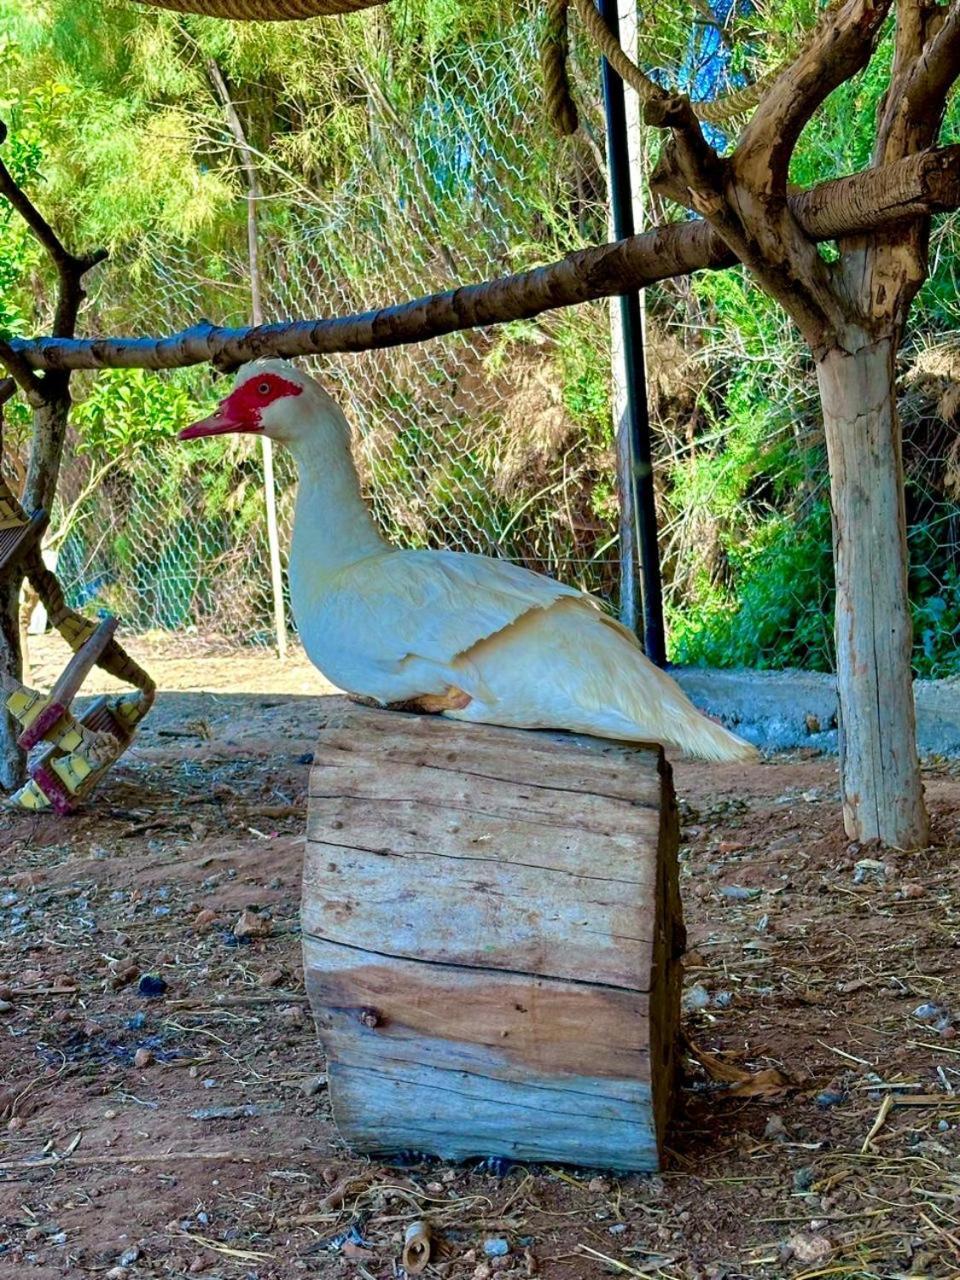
pixel 468 636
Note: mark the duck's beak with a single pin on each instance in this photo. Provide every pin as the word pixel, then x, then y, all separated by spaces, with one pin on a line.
pixel 227 417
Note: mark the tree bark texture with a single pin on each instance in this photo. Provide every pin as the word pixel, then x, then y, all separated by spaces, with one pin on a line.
pixel 882 791
pixel 922 183
pixel 12 759
pixel 50 421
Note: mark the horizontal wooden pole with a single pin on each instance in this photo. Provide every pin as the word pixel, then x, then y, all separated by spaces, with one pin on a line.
pixel 914 187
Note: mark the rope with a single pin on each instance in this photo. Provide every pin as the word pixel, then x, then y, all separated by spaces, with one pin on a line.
pixel 73 626
pixel 554 51
pixel 265 10
pixel 716 112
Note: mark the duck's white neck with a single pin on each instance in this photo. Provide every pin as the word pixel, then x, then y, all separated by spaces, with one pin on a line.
pixel 332 527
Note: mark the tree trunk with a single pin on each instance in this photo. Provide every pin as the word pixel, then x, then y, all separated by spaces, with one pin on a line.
pixel 12 758
pixel 882 792
pixel 49 431
pixel 50 421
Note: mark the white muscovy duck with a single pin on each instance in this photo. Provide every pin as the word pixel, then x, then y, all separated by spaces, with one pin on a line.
pixel 468 636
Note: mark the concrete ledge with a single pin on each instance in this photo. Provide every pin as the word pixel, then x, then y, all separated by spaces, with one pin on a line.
pixel 779 710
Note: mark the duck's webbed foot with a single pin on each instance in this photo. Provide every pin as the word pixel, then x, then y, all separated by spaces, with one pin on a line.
pixel 430 704
pixel 434 704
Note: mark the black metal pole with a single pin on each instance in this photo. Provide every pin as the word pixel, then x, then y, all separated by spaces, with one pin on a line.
pixel 641 477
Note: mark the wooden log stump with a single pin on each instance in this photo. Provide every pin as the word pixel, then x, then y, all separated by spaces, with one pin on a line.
pixel 491 935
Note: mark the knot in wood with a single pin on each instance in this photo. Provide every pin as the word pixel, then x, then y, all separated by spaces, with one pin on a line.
pixel 370 1017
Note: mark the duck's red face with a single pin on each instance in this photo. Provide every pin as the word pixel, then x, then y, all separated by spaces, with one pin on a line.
pixel 242 410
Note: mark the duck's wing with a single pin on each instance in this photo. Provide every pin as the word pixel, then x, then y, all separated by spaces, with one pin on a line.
pixel 436 605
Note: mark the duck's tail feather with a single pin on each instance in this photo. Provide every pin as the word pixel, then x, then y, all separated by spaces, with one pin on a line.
pixel 571 667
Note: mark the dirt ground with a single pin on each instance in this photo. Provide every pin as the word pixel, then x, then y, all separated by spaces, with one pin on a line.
pixel 188 1132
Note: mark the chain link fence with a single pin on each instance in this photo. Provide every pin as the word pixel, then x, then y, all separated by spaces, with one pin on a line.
pixel 497 441
pixel 491 441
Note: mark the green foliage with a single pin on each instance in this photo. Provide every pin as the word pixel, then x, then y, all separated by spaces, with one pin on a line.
pixel 782 615
pixel 374 128
pixel 131 409
pixel 585 374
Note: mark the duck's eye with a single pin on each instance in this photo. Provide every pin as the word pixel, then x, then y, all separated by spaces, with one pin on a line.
pixel 264 388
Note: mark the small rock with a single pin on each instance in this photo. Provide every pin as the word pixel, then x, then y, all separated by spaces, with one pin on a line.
pixel 723 999
pixel 949 1032
pixel 117 1273
pixel 250 925
pixel 142 1058
pixel 247 1111
pixel 6 1006
pixel 775 1129
pixel 600 1185
pixel 15 1123
pixel 496 1247
pixel 124 975
pixel 928 1012
pixel 912 889
pixel 803 1178
pixel 943 1126
pixel 272 977
pixel 482 1271
pixel 292 1014
pixel 151 986
pixel 810 1248
pixel 110 1114
pixel 811 797
pixel 311 1085
pixel 869 869
pixel 738 893
pixel 696 997
pixel 198 1264
pixel 830 1098
pixel 204 919
pixel 129 1256
pixel 350 1249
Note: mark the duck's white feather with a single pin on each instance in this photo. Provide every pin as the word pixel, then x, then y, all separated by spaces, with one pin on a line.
pixel 396 625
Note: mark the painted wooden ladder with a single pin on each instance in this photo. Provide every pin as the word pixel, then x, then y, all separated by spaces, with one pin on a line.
pixel 70 753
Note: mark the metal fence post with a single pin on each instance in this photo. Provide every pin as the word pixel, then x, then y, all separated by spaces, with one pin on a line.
pixel 634 454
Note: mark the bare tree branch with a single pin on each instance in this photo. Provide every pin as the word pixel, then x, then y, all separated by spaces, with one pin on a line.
pixel 838 48
pixel 925 65
pixel 70 267
pixel 22 375
pixel 925 183
pixel 936 69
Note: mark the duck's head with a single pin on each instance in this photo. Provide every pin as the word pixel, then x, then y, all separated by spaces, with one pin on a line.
pixel 273 398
